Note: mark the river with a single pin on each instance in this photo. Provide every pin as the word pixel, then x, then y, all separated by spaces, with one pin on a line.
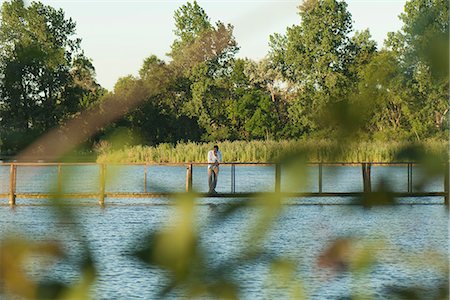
pixel 408 242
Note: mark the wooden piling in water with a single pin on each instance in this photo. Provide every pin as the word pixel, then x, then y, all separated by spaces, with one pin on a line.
pixel 367 185
pixel 410 178
pixel 277 178
pixel 145 178
pixel 233 178
pixel 59 183
pixel 102 182
pixel 189 178
pixel 320 178
pixel 12 184
pixel 446 184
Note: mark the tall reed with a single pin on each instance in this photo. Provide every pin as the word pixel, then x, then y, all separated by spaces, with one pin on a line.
pixel 268 151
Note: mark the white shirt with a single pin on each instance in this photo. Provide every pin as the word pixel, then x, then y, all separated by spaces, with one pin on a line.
pixel 212 158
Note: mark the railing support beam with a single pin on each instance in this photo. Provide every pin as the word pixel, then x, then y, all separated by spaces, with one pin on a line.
pixel 410 180
pixel 101 200
pixel 320 177
pixel 446 184
pixel 366 170
pixel 145 178
pixel 277 178
pixel 59 183
pixel 12 184
pixel 233 178
pixel 189 178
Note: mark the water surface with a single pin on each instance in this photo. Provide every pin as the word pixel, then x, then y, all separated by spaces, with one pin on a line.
pixel 408 238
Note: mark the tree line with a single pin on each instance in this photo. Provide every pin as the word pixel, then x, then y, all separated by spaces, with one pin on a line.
pixel 318 78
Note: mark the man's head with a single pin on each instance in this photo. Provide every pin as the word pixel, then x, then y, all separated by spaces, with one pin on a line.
pixel 216 148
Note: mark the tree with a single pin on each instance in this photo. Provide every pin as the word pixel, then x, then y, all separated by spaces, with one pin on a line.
pixel 424 36
pixel 189 95
pixel 364 50
pixel 258 92
pixel 317 55
pixel 265 75
pixel 190 22
pixel 44 76
pixel 382 98
pixel 318 50
pixel 258 114
pixel 421 49
pixel 202 58
pixel 155 120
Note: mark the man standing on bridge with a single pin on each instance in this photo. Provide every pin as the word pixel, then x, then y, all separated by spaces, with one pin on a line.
pixel 214 159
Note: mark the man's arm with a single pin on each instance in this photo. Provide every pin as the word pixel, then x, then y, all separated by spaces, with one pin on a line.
pixel 219 157
pixel 211 158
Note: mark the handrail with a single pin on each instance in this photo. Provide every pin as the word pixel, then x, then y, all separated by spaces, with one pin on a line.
pixel 203 163
pixel 366 176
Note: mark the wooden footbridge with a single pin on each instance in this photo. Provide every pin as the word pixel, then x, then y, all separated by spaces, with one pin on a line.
pixel 366 171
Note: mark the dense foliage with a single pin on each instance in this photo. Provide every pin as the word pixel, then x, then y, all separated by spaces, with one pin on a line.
pixel 320 78
pixel 44 76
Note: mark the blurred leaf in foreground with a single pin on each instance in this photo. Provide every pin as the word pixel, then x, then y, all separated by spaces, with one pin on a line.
pixel 349 254
pixel 381 195
pixel 432 164
pixel 175 249
pixel 283 281
pixel 15 253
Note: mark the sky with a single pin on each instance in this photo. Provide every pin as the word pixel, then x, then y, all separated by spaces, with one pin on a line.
pixel 119 34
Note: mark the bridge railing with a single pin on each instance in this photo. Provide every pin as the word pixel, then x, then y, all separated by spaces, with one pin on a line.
pixel 366 171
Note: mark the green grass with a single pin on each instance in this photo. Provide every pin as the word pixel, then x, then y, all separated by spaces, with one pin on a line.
pixel 272 151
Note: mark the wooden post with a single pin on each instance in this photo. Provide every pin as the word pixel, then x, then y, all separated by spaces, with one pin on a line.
pixel 189 178
pixel 12 184
pixel 145 178
pixel 446 184
pixel 410 179
pixel 366 177
pixel 233 178
pixel 102 182
pixel 277 178
pixel 59 184
pixel 320 177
